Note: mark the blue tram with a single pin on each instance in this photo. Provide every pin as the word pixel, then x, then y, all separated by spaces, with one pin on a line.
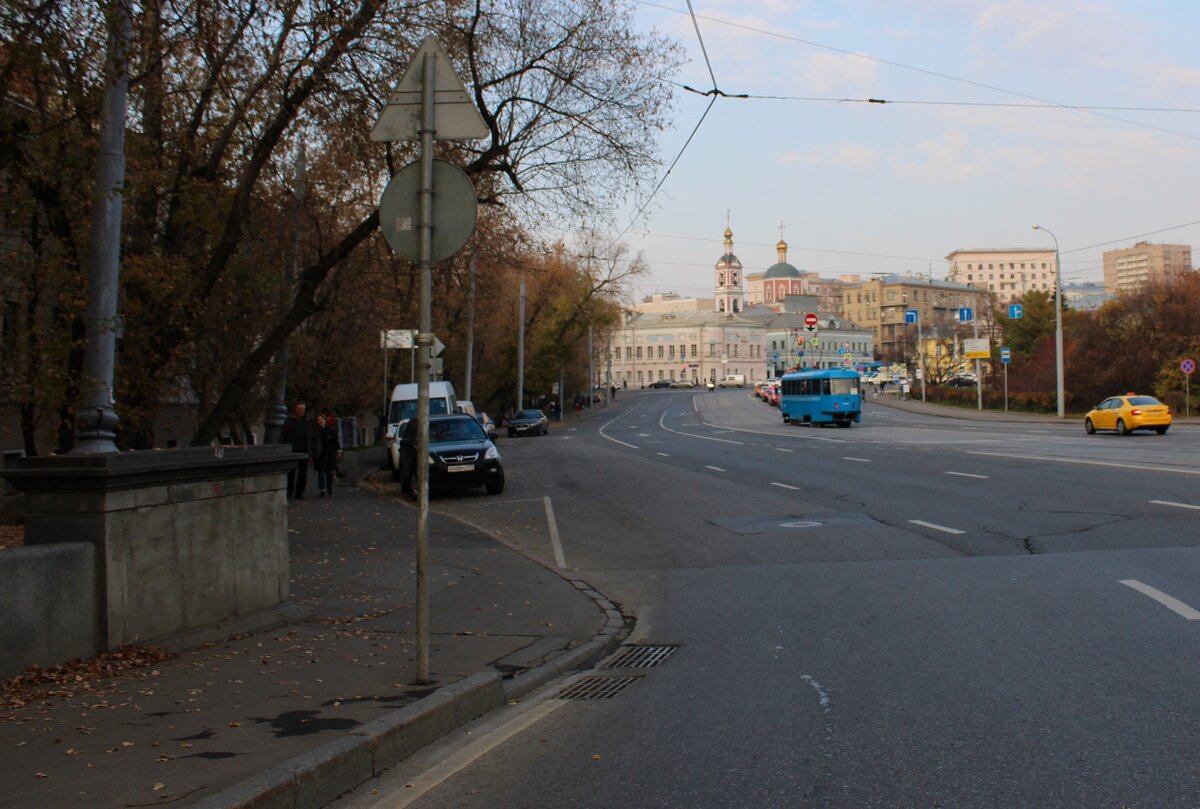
pixel 821 396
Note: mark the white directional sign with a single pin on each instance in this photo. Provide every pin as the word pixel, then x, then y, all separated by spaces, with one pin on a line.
pixel 437 348
pixel 455 115
pixel 397 338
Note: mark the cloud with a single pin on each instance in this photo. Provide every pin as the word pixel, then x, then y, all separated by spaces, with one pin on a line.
pixel 831 72
pixel 856 155
pixel 853 155
pixel 946 160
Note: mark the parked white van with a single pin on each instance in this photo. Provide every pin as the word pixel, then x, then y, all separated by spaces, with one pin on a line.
pixel 404 407
pixel 733 381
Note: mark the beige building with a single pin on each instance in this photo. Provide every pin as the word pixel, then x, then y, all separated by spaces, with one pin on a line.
pixel 1006 273
pixel 879 305
pixel 1133 268
pixel 695 345
pixel 663 302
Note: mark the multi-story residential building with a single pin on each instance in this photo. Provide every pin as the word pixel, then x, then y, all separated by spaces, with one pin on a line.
pixel 1007 273
pixel 879 305
pixel 1131 269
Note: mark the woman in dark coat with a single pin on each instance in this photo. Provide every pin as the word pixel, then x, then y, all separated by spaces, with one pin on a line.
pixel 328 459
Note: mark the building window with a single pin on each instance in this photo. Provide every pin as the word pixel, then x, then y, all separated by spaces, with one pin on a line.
pixel 639 352
pixel 660 352
pixel 693 350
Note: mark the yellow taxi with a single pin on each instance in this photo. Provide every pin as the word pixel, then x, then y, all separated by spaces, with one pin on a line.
pixel 1128 413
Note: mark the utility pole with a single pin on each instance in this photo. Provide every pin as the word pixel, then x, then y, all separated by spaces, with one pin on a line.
pixel 277 413
pixel 470 325
pixel 521 344
pixel 96 423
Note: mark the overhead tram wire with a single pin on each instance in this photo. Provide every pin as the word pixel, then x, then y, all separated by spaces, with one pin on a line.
pixel 713 94
pixel 921 70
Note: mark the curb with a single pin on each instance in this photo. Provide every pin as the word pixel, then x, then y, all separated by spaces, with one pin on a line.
pixel 316 778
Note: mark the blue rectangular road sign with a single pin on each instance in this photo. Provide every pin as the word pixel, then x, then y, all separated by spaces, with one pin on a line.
pixel 1015 311
pixel 965 314
pixel 1006 355
pixel 910 315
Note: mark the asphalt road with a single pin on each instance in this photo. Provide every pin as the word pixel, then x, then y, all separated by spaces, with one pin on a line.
pixel 915 611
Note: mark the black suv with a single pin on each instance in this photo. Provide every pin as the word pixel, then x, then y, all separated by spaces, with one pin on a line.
pixel 460 455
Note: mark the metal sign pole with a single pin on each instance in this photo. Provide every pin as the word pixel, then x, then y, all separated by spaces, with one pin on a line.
pixel 424 340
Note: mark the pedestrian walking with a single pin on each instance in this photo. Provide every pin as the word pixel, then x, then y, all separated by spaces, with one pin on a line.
pixel 331 453
pixel 301 433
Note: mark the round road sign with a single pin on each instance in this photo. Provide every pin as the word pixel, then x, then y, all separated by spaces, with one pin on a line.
pixel 1187 366
pixel 454 210
pixel 810 319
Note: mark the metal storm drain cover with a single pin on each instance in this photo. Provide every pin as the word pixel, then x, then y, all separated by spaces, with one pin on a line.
pixel 639 656
pixel 598 687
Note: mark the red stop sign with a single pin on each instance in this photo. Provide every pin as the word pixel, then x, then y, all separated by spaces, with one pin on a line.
pixel 810 319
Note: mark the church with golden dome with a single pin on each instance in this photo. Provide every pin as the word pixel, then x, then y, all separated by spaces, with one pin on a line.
pixel 781 279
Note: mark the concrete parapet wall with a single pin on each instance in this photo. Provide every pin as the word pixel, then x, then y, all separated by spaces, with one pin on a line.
pixel 49 595
pixel 182 539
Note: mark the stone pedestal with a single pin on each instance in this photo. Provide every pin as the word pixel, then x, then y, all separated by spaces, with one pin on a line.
pixel 183 538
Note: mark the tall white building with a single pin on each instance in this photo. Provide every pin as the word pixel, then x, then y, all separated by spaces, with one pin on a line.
pixel 1007 273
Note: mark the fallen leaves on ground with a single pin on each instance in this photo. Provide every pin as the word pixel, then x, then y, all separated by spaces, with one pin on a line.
pixel 78 675
pixel 12 536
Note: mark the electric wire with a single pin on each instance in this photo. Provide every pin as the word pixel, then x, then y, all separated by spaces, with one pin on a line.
pixel 924 71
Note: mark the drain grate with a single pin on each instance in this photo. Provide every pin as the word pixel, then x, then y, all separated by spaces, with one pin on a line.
pixel 597 687
pixel 637 656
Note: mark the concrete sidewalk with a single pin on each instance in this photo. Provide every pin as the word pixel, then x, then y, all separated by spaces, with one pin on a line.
pixel 914 405
pixel 296 715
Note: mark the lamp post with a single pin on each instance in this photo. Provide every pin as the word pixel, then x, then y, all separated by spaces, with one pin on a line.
pixel 1058 333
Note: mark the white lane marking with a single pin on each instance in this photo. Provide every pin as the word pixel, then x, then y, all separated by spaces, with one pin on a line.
pixel 781 449
pixel 665 455
pixel 967 475
pixel 555 542
pixel 1176 505
pixel 417 787
pixel 1173 604
pixel 603 434
pixel 662 424
pixel 1140 467
pixel 715 468
pixel 859 460
pixel 970 428
pixel 785 486
pixel 937 527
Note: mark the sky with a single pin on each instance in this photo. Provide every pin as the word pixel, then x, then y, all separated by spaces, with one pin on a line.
pixel 955 164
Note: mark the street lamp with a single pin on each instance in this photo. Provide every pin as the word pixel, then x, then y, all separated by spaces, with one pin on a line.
pixel 1058 334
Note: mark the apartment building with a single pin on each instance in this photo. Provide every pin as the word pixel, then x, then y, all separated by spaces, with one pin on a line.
pixel 1007 273
pixel 1132 268
pixel 879 305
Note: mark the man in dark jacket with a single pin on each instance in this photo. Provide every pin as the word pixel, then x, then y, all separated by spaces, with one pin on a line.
pixel 301 433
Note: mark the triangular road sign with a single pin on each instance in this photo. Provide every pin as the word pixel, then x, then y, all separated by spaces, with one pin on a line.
pixel 454 116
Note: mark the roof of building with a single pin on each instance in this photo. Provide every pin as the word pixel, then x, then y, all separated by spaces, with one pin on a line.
pixel 647 320
pixel 963 251
pixel 781 270
pixel 915 280
pixel 729 258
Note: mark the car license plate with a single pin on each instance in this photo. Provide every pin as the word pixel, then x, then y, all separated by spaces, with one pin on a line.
pixel 461 467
